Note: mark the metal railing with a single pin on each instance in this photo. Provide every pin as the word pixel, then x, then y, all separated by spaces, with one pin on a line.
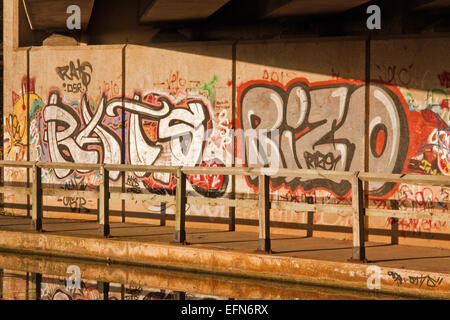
pixel 358 208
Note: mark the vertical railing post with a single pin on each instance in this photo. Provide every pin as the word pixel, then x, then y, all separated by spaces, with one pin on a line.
pixel 180 213
pixel 122 292
pixel 359 250
pixel 123 173
pixel 264 214
pixel 37 281
pixel 232 210
pixel 103 287
pixel 232 218
pixel 2 184
pixel 1 283
pixel 103 203
pixel 28 196
pixel 162 222
pixel 179 295
pixel 27 286
pixel 310 223
pixel 36 210
pixel 394 223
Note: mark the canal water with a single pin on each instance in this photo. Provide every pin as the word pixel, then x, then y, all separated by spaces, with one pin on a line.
pixel 32 277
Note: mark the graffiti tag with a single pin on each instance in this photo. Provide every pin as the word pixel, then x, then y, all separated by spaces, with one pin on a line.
pixel 415 280
pixel 79 72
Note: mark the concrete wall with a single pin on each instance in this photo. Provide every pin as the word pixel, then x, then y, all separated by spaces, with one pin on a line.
pixel 177 104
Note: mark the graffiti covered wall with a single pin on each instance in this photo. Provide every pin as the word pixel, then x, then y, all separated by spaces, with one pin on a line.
pixel 417 68
pixel 326 119
pixel 175 105
pixel 195 82
pixel 16 101
pixel 69 122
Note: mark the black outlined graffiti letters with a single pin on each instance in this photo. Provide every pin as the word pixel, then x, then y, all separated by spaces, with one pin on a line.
pixel 317 130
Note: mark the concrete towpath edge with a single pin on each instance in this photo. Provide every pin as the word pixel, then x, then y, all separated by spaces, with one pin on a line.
pixel 367 277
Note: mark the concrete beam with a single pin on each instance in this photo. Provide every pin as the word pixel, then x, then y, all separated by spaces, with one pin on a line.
pixel 52 14
pixel 431 4
pixel 178 10
pixel 280 8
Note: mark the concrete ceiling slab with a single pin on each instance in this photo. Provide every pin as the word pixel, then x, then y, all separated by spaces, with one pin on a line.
pixel 52 14
pixel 280 8
pixel 178 10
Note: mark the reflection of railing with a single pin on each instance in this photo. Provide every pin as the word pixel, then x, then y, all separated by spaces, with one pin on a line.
pixel 263 203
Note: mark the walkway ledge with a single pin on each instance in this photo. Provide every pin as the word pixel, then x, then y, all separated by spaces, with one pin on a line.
pixel 367 277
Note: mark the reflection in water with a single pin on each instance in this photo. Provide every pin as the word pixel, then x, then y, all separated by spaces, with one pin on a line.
pixel 31 286
pixel 30 277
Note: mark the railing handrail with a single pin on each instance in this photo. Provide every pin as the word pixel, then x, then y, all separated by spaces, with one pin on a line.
pixel 247 171
pixel 16 164
pixel 405 178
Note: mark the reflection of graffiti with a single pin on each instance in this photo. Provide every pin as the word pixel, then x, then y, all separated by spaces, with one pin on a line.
pixel 72 133
pixel 79 74
pixel 415 280
pixel 315 131
pixel 133 292
pixel 55 289
pixel 159 296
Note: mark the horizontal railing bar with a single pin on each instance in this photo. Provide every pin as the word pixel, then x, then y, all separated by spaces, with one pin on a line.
pixel 142 196
pixel 282 172
pixel 217 170
pixel 140 168
pixel 373 212
pixel 69 165
pixel 16 164
pixel 405 178
pixel 327 208
pixel 16 190
pixel 69 193
pixel 308 173
pixel 244 203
